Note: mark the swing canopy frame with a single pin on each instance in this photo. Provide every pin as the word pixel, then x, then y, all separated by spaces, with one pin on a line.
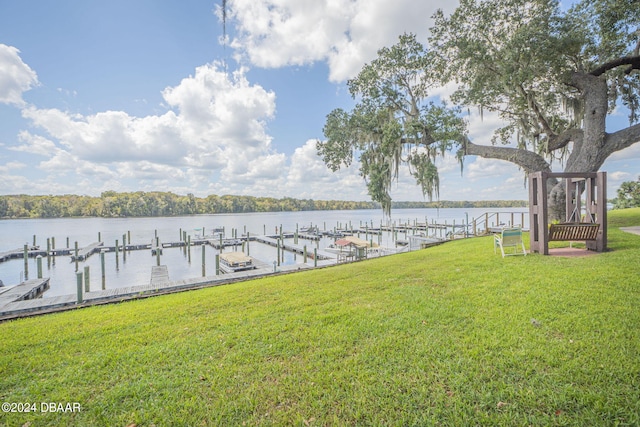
pixel 584 222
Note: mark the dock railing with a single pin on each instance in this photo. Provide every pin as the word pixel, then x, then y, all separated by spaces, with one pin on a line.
pixel 495 221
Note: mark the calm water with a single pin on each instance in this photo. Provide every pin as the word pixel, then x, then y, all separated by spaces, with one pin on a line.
pixel 135 269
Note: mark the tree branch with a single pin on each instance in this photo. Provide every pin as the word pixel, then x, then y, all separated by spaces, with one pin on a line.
pixel 620 140
pixel 632 61
pixel 542 120
pixel 527 160
pixel 560 141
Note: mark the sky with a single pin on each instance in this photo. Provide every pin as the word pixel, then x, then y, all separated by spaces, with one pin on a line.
pixel 144 96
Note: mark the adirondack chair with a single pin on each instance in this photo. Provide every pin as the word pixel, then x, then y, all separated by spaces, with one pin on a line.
pixel 509 238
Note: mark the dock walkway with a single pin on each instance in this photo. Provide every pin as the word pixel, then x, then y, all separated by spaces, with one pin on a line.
pixel 16 309
pixel 292 247
pixel 28 290
pixel 159 275
pixel 87 251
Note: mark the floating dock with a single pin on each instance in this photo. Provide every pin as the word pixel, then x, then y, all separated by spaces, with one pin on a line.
pixel 28 290
pixel 87 251
pixel 159 275
pixel 21 308
pixel 292 247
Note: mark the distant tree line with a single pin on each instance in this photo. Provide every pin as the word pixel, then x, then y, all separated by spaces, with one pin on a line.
pixel 139 204
pixel 628 195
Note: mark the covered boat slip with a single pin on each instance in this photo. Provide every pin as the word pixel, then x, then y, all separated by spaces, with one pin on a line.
pixel 351 248
pixel 235 261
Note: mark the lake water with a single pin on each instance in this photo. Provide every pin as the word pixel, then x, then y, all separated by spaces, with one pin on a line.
pixel 135 268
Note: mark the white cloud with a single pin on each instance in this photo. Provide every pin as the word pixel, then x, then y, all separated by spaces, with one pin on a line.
pixel 219 125
pixel 11 166
pixel 309 177
pixel 35 144
pixel 618 176
pixel 345 33
pixel 482 168
pixel 15 76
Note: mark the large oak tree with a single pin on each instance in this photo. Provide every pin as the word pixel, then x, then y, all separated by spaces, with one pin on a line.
pixel 553 76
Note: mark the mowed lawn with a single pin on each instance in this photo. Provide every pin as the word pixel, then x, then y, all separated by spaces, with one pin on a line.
pixel 452 335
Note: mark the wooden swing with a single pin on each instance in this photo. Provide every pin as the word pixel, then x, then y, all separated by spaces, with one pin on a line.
pixel 590 227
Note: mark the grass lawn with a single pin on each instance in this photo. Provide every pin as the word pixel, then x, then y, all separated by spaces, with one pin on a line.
pixel 451 335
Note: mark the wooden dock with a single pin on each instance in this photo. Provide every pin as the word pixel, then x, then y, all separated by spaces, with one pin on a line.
pixel 31 289
pixel 87 251
pixel 15 253
pixel 159 275
pixel 292 247
pixel 23 308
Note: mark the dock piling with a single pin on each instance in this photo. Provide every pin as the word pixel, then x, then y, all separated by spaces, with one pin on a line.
pixel 87 285
pixel 102 266
pixel 39 262
pixel 79 286
pixel 203 261
pixel 26 261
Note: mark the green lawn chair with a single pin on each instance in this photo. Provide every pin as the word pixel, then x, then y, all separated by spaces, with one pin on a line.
pixel 509 238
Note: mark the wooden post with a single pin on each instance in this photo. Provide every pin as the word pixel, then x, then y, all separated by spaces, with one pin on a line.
pixel 157 257
pixel 217 264
pixel 76 252
pixel 87 279
pixel 104 282
pixel 315 257
pixel 25 255
pixel 99 237
pixel 278 249
pixel 34 240
pixel 203 261
pixel 102 266
pixel 117 257
pixel 39 263
pixel 538 217
pixel 248 240
pixel 53 243
pixel 79 286
pixel 49 247
pixel 305 254
pixel 124 247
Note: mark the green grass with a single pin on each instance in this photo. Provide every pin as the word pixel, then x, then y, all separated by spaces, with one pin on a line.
pixel 452 335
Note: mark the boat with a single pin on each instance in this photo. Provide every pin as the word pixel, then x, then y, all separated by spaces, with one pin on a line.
pixel 232 262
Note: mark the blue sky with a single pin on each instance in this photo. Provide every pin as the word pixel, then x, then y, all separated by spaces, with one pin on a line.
pixel 141 95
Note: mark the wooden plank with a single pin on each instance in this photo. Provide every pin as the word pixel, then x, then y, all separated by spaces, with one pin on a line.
pixel 87 251
pixel 577 232
pixel 159 275
pixel 31 289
